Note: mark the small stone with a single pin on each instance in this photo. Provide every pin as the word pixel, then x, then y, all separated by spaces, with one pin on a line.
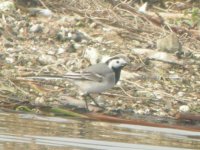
pixel 60 50
pixel 172 72
pixel 142 111
pixel 77 36
pixel 46 59
pixel 93 25
pixel 161 113
pixel 136 43
pixel 180 94
pixel 197 55
pixel 10 60
pixel 56 87
pixel 62 35
pixel 40 12
pixel 46 12
pixel 92 55
pixel 51 52
pixel 33 48
pixel 39 100
pixel 36 28
pixel 184 108
pixel 10 50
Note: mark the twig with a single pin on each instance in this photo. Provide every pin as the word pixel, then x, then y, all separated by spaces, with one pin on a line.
pixel 126 92
pixel 26 93
pixel 169 62
pixel 119 95
pixel 43 4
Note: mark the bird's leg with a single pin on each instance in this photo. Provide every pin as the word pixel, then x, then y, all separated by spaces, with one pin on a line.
pixel 86 103
pixel 93 100
pixel 84 97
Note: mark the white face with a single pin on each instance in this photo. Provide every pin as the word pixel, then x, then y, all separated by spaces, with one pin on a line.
pixel 117 63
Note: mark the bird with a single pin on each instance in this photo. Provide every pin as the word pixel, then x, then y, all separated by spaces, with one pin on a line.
pixel 95 78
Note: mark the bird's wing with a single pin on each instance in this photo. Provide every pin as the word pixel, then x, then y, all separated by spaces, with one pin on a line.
pixel 100 68
pixel 82 75
pixel 93 73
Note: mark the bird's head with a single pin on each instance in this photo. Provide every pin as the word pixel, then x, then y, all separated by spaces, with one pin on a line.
pixel 117 62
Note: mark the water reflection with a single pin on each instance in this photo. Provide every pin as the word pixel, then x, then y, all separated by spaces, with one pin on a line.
pixel 25 131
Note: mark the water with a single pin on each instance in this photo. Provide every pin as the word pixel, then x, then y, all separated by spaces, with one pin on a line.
pixel 28 131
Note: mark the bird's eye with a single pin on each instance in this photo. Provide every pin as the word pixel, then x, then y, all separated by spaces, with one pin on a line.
pixel 117 61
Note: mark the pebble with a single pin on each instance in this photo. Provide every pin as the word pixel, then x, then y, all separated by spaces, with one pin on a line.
pixel 39 100
pixel 184 108
pixel 60 50
pixel 93 25
pixel 142 111
pixel 77 36
pixel 10 50
pixel 161 114
pixel 180 94
pixel 45 12
pixel 40 12
pixel 46 59
pixel 92 55
pixel 62 35
pixel 33 48
pixel 197 55
pixel 10 60
pixel 36 28
pixel 51 52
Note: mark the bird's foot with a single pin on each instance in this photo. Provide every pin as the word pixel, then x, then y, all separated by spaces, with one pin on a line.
pixel 96 103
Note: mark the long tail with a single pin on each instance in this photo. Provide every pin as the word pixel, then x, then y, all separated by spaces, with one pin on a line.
pixel 71 75
pixel 41 78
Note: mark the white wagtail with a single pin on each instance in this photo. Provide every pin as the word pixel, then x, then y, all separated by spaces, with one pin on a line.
pixel 96 78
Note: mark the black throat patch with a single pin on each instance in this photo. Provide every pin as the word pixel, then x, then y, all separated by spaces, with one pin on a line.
pixel 117 73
